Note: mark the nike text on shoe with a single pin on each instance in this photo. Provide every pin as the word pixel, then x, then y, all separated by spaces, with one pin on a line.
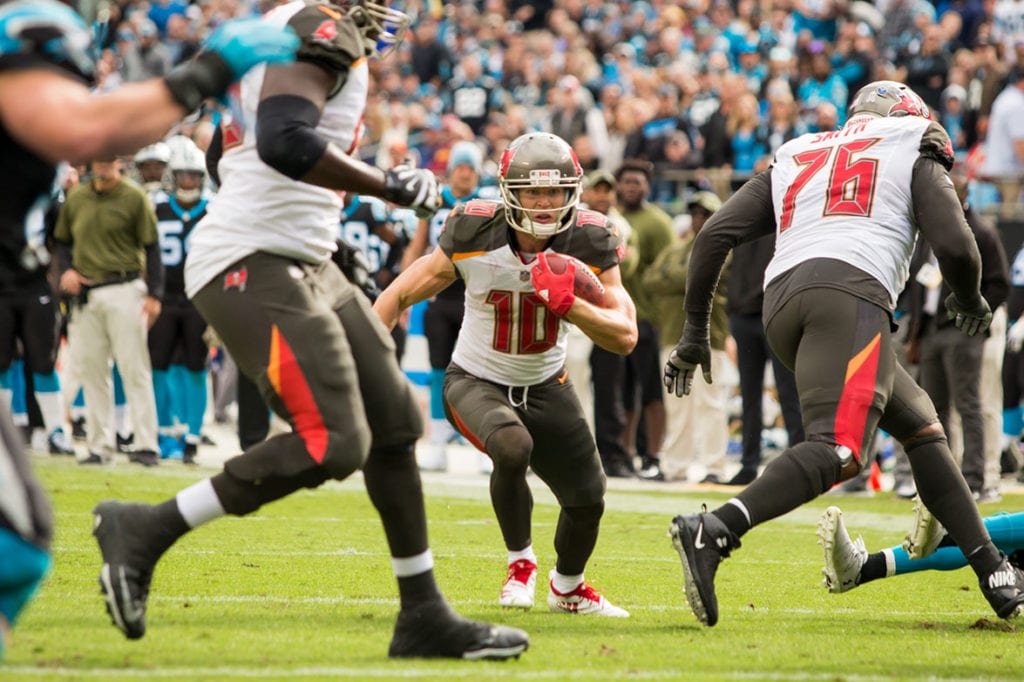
pixel 843 557
pixel 520 583
pixel 124 578
pixel 926 533
pixel 1004 589
pixel 583 601
pixel 702 541
pixel 433 630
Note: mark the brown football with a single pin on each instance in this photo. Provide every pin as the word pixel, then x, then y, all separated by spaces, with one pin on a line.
pixel 586 285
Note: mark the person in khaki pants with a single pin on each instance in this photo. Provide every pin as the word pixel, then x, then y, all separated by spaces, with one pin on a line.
pixel 696 430
pixel 110 262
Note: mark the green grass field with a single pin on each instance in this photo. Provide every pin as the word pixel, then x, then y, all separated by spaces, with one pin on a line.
pixel 303 589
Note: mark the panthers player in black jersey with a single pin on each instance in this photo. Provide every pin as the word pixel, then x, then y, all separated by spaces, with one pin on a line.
pixel 506 389
pixel 48 115
pixel 443 316
pixel 180 389
pixel 259 270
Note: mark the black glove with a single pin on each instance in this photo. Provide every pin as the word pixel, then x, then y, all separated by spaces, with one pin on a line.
pixel 416 188
pixel 356 269
pixel 693 350
pixel 972 317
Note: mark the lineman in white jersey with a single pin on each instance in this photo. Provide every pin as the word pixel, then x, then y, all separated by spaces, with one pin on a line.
pixel 259 271
pixel 506 389
pixel 846 207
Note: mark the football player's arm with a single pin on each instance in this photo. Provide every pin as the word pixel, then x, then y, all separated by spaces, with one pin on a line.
pixel 418 245
pixel 747 215
pixel 940 218
pixel 291 103
pixel 426 277
pixel 59 119
pixel 612 327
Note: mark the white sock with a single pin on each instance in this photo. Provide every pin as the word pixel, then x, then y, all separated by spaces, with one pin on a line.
pixel 199 503
pixel 412 565
pixel 121 420
pixel 565 584
pixel 440 430
pixel 524 553
pixel 51 405
pixel 890 563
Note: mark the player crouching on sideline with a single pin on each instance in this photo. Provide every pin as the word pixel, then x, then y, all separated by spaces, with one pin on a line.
pixel 506 389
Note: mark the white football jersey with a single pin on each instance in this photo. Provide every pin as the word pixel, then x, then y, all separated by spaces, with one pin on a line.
pixel 845 195
pixel 508 335
pixel 258 208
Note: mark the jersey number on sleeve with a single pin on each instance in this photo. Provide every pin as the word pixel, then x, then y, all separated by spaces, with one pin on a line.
pixel 537 327
pixel 851 187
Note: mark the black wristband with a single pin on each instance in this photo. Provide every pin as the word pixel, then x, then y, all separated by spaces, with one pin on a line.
pixel 208 75
pixel 695 332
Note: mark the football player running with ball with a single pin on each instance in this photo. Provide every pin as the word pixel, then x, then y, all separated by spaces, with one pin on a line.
pixel 506 389
pixel 260 272
pixel 847 206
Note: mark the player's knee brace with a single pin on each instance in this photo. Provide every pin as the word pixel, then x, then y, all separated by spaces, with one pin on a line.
pixel 22 570
pixel 510 448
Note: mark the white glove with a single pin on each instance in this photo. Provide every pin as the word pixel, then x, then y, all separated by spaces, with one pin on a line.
pixel 1015 336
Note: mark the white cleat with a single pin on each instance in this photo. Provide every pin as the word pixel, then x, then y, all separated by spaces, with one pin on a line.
pixel 844 558
pixel 583 601
pixel 520 584
pixel 926 533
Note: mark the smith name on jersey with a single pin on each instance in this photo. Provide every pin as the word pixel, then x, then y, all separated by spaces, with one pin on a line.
pixel 508 335
pixel 282 216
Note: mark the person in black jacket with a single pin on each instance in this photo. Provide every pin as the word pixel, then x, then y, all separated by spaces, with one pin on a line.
pixel 746 296
pixel 950 362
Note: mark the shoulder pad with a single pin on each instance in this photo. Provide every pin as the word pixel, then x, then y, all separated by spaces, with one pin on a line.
pixel 936 145
pixel 594 239
pixel 328 37
pixel 34 33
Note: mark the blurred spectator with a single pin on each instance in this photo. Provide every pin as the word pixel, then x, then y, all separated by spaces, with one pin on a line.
pixel 651 231
pixel 718 149
pixel 824 118
pixel 1008 27
pixel 782 122
pixel 817 18
pixel 430 58
pixel 161 11
pixel 696 429
pixel 471 95
pixel 951 115
pixel 155 55
pixel 743 126
pixel 821 86
pixel 572 114
pixel 1004 155
pixel 181 41
pixel 928 69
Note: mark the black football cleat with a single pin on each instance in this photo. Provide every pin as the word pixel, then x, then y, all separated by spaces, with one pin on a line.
pixel 1004 589
pixel 434 630
pixel 125 575
pixel 702 541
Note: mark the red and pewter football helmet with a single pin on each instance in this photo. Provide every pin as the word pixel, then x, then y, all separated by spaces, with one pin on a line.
pixel 539 160
pixel 887 98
